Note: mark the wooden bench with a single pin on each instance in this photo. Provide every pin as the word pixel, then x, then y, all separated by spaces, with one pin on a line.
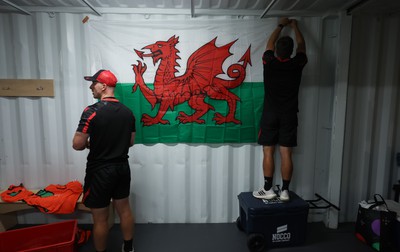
pixel 8 212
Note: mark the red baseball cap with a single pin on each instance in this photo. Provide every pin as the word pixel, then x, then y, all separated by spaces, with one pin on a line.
pixel 103 76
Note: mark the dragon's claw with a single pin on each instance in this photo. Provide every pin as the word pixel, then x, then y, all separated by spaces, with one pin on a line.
pixel 139 69
pixel 185 118
pixel 220 119
pixel 148 120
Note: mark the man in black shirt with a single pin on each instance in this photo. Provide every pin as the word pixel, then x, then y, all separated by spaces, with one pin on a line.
pixel 278 125
pixel 107 129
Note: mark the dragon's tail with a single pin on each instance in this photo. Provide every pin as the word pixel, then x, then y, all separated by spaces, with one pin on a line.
pixel 236 71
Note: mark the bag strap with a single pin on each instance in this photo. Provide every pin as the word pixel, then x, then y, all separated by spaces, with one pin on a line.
pixel 378 202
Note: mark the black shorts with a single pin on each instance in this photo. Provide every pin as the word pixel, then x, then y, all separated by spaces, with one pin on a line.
pixel 278 129
pixel 110 181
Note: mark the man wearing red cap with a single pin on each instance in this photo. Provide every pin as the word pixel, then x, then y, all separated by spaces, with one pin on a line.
pixel 107 129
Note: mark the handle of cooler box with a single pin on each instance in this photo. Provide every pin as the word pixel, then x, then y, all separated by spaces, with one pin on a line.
pixel 314 206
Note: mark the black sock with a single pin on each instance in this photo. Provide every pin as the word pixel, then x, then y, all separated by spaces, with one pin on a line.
pixel 285 185
pixel 128 245
pixel 267 183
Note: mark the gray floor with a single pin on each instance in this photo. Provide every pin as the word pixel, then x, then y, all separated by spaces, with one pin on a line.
pixel 226 238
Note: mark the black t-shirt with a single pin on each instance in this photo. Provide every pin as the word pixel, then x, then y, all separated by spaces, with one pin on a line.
pixel 110 125
pixel 281 82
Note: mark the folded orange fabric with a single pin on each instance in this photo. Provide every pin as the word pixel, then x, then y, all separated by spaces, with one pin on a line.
pixel 55 198
pixel 15 193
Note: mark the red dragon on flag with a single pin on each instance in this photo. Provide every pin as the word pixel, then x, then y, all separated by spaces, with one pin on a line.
pixel 200 80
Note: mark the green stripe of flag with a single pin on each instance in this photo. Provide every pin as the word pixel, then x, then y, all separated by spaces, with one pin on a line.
pixel 248 112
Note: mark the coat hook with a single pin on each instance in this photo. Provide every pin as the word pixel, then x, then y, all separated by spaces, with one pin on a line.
pixel 40 88
pixel 6 88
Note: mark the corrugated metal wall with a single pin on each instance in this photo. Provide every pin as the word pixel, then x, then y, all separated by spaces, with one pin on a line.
pixel 36 132
pixel 373 114
pixel 200 183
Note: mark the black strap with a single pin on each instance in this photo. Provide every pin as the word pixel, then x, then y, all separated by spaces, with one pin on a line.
pixel 379 202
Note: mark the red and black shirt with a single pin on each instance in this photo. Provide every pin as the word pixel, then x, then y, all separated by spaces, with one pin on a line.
pixel 109 124
pixel 281 82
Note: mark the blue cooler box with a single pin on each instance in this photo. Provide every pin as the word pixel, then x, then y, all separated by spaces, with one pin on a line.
pixel 272 223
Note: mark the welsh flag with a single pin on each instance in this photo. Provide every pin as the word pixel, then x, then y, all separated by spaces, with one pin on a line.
pixel 192 81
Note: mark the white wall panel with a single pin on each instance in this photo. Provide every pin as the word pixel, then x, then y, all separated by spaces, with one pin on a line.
pixel 185 182
pixel 191 183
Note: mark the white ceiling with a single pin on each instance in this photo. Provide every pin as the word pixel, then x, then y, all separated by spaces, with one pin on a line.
pixel 261 8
